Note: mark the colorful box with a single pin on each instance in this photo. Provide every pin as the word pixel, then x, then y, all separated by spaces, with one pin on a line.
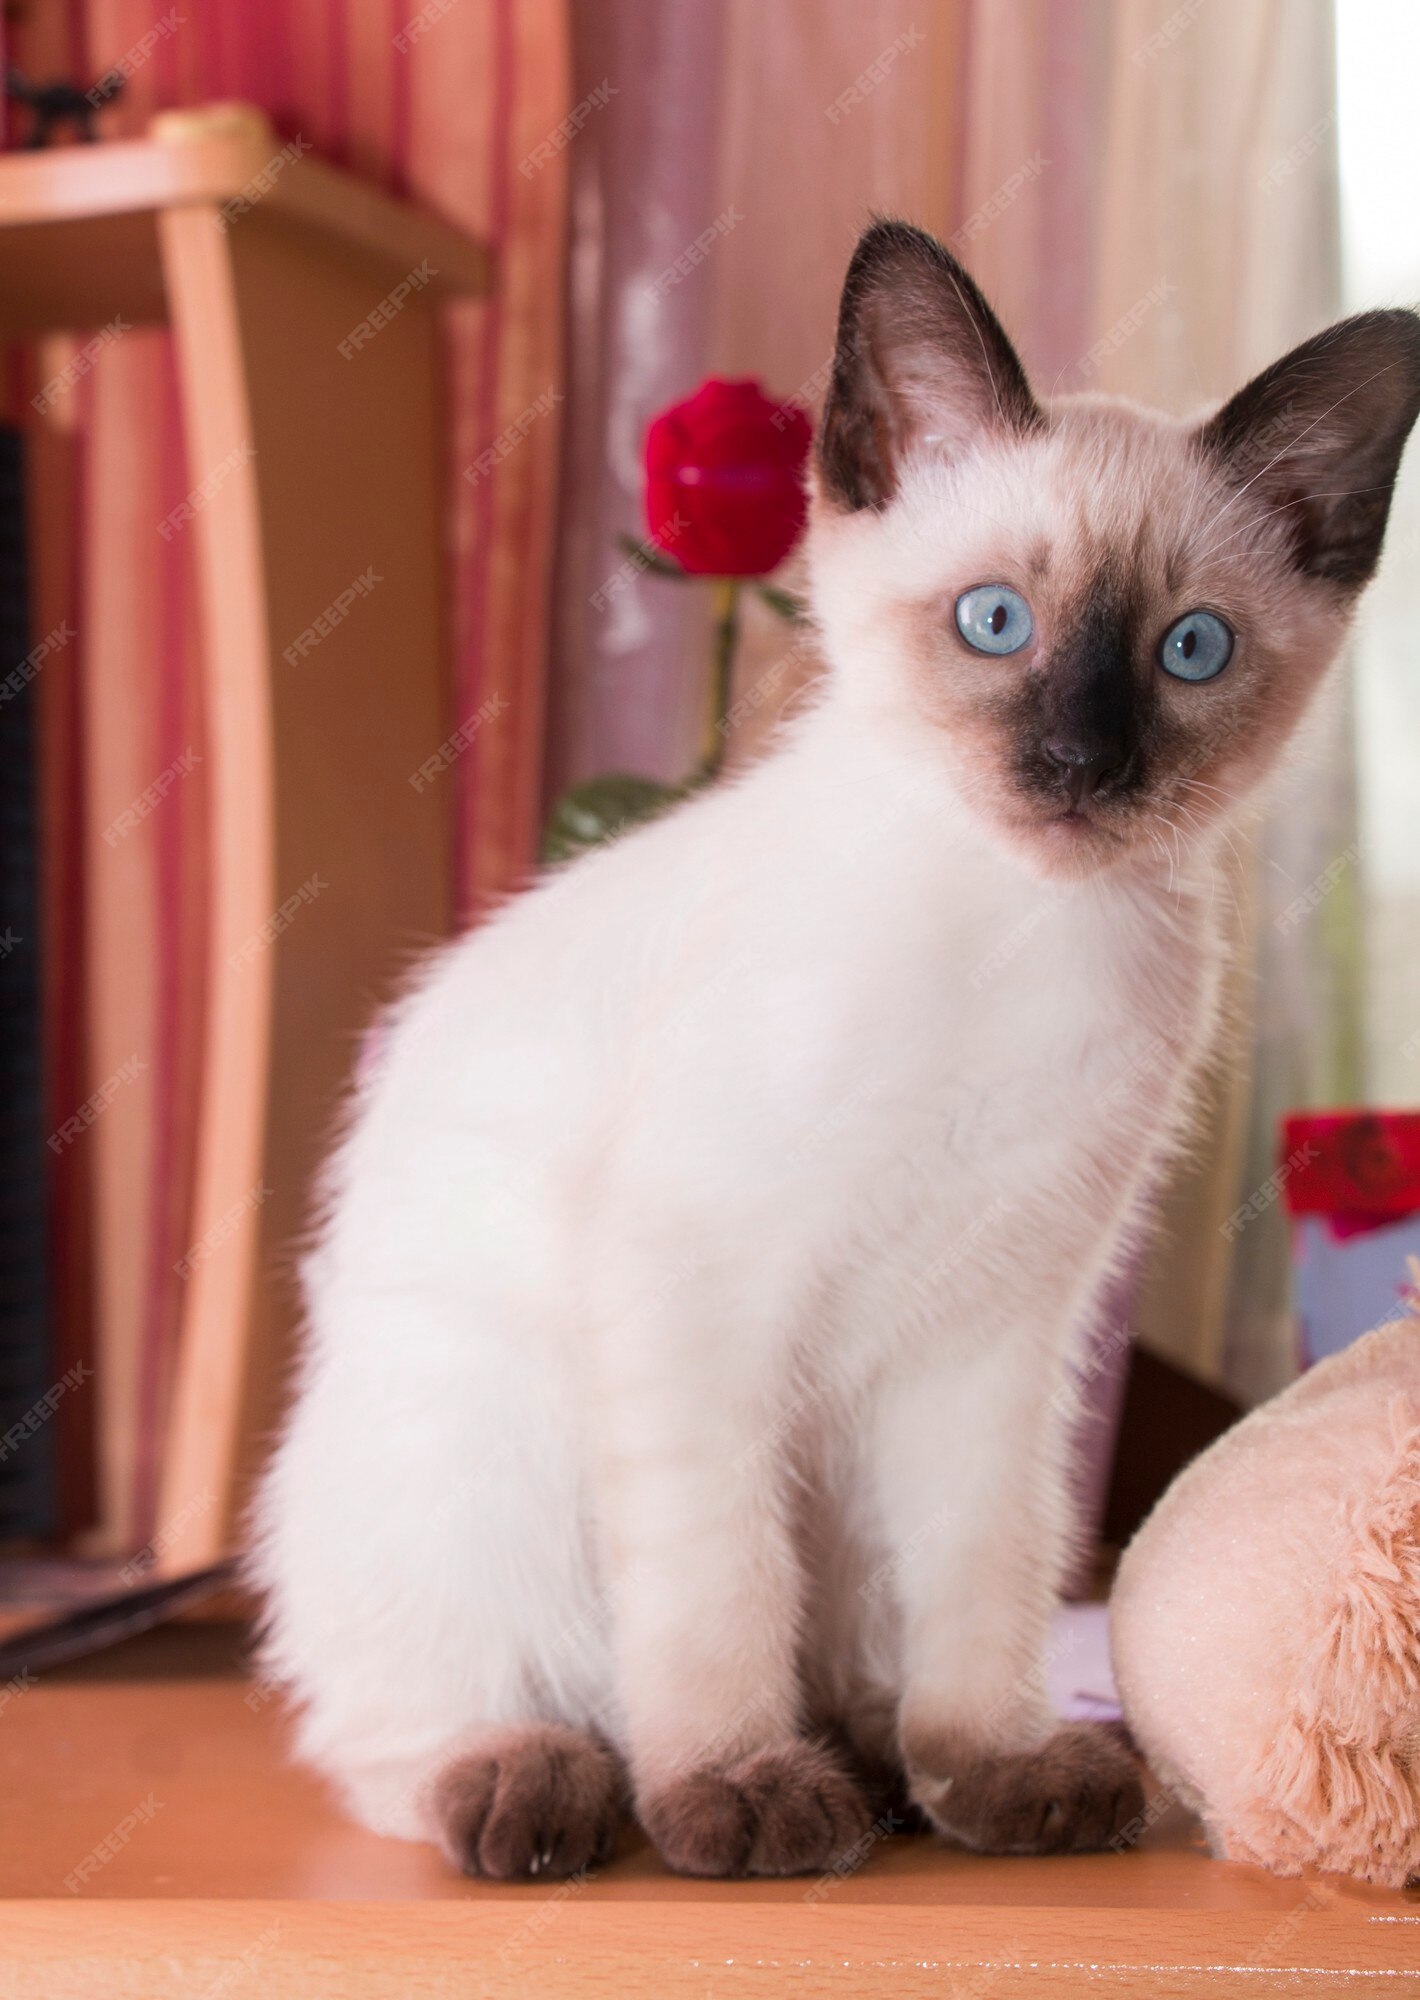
pixel 1352 1184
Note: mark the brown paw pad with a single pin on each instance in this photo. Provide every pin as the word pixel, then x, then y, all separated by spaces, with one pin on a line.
pixel 1071 1794
pixel 787 1811
pixel 538 1801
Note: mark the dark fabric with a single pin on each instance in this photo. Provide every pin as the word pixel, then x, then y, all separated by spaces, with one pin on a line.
pixel 27 1462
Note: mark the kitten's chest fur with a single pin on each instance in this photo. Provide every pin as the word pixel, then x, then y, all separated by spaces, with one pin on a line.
pixel 1022 1089
pixel 889 1091
pixel 1026 1034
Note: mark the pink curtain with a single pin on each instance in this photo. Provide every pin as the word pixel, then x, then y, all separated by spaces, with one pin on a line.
pixel 715 198
pixel 642 174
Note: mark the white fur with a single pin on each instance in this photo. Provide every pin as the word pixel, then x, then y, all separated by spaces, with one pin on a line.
pixel 689 1325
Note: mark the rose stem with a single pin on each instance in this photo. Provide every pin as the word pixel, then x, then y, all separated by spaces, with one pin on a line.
pixel 727 631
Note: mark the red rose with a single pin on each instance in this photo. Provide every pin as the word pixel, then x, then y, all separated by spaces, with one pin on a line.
pixel 724 480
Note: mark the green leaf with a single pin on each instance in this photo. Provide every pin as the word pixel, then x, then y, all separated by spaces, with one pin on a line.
pixel 648 556
pixel 598 810
pixel 784 602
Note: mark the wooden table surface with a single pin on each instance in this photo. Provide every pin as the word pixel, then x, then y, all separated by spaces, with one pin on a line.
pixel 153 1842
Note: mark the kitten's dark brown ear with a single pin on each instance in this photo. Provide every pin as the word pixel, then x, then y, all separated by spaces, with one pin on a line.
pixel 921 357
pixel 1318 436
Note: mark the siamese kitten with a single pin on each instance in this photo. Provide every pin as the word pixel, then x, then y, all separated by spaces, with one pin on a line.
pixel 681 1426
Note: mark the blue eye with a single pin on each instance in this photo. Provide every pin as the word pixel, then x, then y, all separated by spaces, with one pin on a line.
pixel 1197 647
pixel 994 619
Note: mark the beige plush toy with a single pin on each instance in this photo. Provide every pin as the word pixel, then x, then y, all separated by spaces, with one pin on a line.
pixel 1266 1623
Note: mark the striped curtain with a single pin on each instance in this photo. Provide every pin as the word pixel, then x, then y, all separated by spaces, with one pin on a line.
pixel 452 103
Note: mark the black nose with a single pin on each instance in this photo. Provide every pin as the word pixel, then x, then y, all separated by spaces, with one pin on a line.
pixel 1086 765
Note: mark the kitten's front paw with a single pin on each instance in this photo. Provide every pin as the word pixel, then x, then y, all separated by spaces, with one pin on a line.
pixel 1072 1793
pixel 787 1811
pixel 540 1800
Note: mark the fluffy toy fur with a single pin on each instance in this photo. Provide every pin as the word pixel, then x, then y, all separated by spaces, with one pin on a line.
pixel 690 1326
pixel 1266 1623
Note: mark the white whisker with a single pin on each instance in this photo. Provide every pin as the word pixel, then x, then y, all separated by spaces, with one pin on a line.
pixel 1342 493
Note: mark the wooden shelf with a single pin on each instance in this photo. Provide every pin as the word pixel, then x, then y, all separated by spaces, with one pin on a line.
pixel 303 308
pixel 78 224
pixel 246 1879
